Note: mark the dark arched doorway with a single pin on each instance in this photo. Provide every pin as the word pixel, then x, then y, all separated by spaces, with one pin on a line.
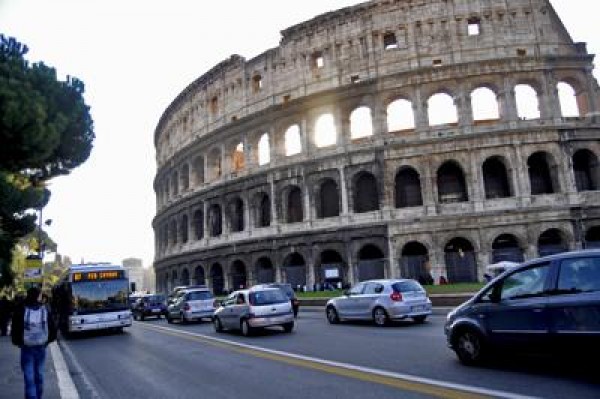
pixel 495 179
pixel 199 278
pixel 265 272
pixel 585 168
pixel 329 200
pixel 451 183
pixel 331 272
pixel 506 248
pixel 592 238
pixel 238 275
pixel 295 213
pixel 366 194
pixel 414 263
pixel 408 188
pixel 294 268
pixel 371 262
pixel 216 278
pixel 461 265
pixel 551 242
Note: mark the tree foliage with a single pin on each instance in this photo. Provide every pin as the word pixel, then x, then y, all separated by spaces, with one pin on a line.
pixel 46 130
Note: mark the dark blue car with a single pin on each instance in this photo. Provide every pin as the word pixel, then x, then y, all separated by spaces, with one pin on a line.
pixel 545 305
pixel 149 305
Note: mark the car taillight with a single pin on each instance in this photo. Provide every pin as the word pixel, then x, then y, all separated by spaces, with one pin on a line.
pixel 396 296
pixel 186 306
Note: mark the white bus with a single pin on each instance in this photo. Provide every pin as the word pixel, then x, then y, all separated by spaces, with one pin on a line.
pixel 92 297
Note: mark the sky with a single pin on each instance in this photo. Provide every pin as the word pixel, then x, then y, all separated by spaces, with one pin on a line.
pixel 135 57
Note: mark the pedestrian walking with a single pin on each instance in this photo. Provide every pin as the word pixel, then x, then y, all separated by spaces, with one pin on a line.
pixel 5 314
pixel 33 329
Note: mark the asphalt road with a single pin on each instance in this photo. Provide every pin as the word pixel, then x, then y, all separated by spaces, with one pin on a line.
pixel 153 359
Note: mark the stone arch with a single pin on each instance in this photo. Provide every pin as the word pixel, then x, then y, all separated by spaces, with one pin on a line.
pixel 215 167
pixel 262 210
pixel 568 101
pixel 414 262
pixel 577 91
pixel 325 134
pixel 215 220
pixel 198 168
pixel 328 204
pixel 331 269
pixel 552 241
pixel 543 174
pixel 198 222
pixel 586 170
pixel 239 277
pixel 185 177
pixel 451 183
pixel 265 271
pixel 217 280
pixel 527 100
pixel 184 229
pixel 371 263
pixel 294 205
pixel 407 188
pixel 461 261
pixel 366 192
pixel 238 157
pixel 175 183
pixel 294 268
pixel 496 180
pixel 264 150
pixel 199 275
pixel 592 238
pixel 484 104
pixel 506 247
pixel 361 123
pixel 235 214
pixel 441 109
pixel 174 281
pixel 185 277
pixel 292 141
pixel 400 115
pixel 173 231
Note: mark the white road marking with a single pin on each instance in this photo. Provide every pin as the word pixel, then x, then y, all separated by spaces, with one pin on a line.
pixel 66 386
pixel 378 372
pixel 79 370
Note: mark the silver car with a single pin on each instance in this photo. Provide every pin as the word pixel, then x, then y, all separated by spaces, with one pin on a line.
pixel 381 301
pixel 191 304
pixel 247 310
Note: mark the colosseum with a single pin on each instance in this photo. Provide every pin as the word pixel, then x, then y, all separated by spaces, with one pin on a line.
pixel 413 138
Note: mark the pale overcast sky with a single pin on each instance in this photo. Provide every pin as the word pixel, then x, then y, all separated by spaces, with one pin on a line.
pixel 135 57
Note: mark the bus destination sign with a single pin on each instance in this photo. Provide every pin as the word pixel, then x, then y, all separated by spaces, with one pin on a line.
pixel 98 276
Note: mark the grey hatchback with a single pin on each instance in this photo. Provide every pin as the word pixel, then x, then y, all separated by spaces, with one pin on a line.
pixel 546 305
pixel 380 301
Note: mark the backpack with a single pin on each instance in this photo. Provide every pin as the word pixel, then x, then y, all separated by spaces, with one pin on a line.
pixel 35 330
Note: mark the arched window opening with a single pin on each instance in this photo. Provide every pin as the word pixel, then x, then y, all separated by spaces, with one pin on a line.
pixel 215 220
pixel 185 177
pixel 216 279
pixel 400 116
pixel 257 83
pixel 414 263
pixel 263 210
pixel 184 229
pixel 173 232
pixel 293 143
pixel 238 159
pixel 408 188
pixel 371 263
pixel 451 184
pixel 361 123
pixel 527 102
pixel 586 170
pixel 461 263
pixel 506 248
pixel 236 215
pixel 551 242
pixel 265 272
pixel 366 194
pixel 238 275
pixel 568 101
pixel 389 41
pixel 295 213
pixel 185 277
pixel 329 200
pixel 441 110
pixel 495 179
pixel 199 277
pixel 592 238
pixel 331 271
pixel 540 176
pixel 294 268
pixel 174 281
pixel 198 170
pixel 175 184
pixel 199 224
pixel 264 150
pixel 325 132
pixel 484 104
pixel 214 163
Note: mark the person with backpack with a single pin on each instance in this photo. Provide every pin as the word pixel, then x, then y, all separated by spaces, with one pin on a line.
pixel 33 328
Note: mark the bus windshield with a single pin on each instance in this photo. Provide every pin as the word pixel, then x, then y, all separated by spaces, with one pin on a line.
pixel 99 296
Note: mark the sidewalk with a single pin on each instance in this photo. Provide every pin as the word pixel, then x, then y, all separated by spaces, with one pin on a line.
pixel 11 377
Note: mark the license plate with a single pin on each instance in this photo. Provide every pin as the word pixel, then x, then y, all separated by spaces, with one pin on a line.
pixel 155 310
pixel 418 308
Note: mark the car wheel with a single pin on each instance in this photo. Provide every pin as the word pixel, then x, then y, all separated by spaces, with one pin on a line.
pixel 169 319
pixel 288 327
pixel 246 329
pixel 217 324
pixel 183 319
pixel 419 319
pixel 142 317
pixel 380 317
pixel 469 347
pixel 332 315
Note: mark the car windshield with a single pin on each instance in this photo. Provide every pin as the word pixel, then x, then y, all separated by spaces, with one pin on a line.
pixel 199 295
pixel 99 296
pixel 407 286
pixel 267 297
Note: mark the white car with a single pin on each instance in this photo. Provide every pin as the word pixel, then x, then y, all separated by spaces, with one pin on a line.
pixel 191 304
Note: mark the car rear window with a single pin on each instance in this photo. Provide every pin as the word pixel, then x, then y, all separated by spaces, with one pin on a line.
pixel 156 298
pixel 287 289
pixel 199 295
pixel 268 297
pixel 407 286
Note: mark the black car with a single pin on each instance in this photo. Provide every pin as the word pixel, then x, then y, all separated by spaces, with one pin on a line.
pixel 547 305
pixel 149 305
pixel 289 292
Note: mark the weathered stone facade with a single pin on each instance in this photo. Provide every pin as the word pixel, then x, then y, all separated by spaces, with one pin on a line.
pixel 239 202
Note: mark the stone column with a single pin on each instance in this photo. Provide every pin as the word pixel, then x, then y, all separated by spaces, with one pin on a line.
pixel 522 181
pixel 274 213
pixel 549 99
pixel 508 104
pixel 476 188
pixel 420 109
pixel 593 108
pixel 378 117
pixel 352 272
pixel 307 208
pixel 464 109
pixel 429 188
pixel 343 190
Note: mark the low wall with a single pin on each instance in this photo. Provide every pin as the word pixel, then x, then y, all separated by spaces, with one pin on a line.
pixel 436 299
